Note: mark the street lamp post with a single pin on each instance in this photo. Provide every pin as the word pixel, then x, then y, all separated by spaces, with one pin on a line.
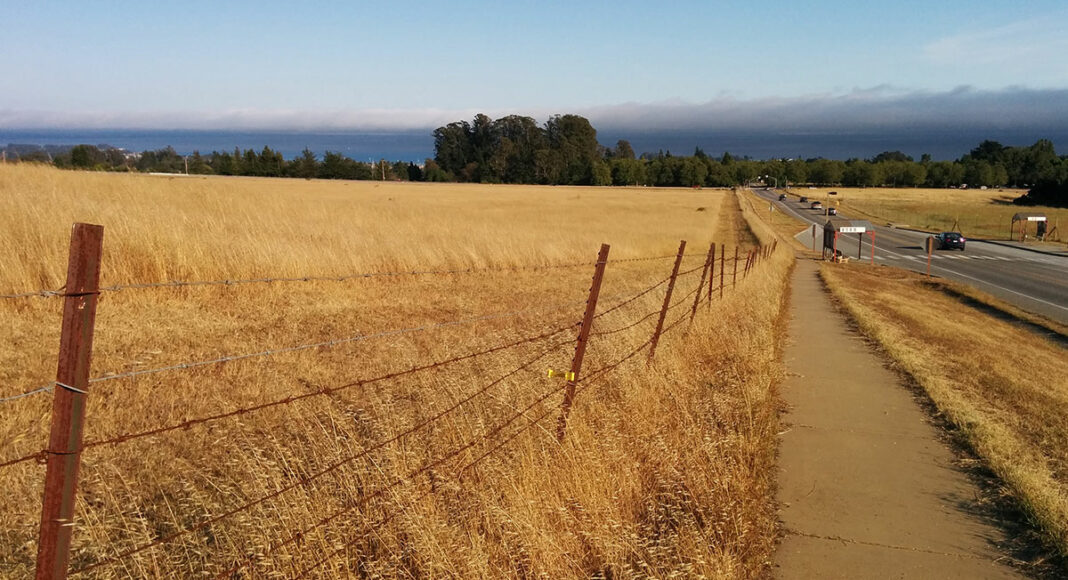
pixel 766 177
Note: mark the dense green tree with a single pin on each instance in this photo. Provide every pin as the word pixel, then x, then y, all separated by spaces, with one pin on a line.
pixel 623 150
pixel 223 163
pixel 575 141
pixel 825 171
pixel 796 172
pixel 433 172
pixel 719 175
pixel 271 163
pixel 693 171
pixel 860 173
pixel 518 141
pixel 452 147
pixel 198 165
pixel 305 166
pixel 891 156
pixel 85 157
pixel 944 174
pixel 627 171
pixel 989 151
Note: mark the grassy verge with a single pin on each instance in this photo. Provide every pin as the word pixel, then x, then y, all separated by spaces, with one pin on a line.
pixel 781 225
pixel 666 470
pixel 1002 384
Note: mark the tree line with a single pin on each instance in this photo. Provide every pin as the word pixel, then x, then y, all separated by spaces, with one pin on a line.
pixel 565 151
pixel 248 162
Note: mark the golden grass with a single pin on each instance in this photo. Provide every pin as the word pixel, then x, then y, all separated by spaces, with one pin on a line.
pixel 784 226
pixel 976 213
pixel 665 471
pixel 1005 387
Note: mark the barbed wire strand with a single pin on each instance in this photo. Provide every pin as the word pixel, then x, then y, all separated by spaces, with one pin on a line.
pixel 304 481
pixel 302 347
pixel 585 382
pixel 626 327
pixel 324 392
pixel 39 390
pixel 332 467
pixel 631 299
pixel 321 278
pixel 330 343
pixel 407 477
pixel 40 455
pixel 294 398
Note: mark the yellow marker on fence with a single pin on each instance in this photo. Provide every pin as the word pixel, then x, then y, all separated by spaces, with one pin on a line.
pixel 568 376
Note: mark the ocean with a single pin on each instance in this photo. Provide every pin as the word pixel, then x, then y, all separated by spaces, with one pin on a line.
pixel 416 146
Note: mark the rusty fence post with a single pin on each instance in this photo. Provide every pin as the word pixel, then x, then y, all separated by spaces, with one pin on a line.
pixel 712 275
pixel 704 273
pixel 68 401
pixel 583 338
pixel 734 280
pixel 722 267
pixel 667 302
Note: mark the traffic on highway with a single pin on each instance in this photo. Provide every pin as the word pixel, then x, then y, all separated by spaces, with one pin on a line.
pixel 1034 281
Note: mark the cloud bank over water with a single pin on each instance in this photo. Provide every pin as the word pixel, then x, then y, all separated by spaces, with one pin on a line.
pixel 912 118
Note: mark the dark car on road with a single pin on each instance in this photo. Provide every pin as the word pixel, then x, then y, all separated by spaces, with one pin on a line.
pixel 950 241
pixel 804 199
pixel 782 197
pixel 832 211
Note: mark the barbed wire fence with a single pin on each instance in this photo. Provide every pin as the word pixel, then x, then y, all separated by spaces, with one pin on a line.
pixel 70 390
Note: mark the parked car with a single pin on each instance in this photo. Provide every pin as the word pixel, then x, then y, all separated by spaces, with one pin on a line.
pixel 804 199
pixel 817 205
pixel 782 197
pixel 949 241
pixel 832 211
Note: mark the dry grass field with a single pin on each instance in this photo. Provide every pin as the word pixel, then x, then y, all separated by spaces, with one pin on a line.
pixel 451 471
pixel 1005 387
pixel 977 213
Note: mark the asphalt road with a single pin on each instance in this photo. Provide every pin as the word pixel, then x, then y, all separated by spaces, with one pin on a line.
pixel 1033 281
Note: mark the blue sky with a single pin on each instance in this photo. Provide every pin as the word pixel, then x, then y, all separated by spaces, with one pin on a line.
pixel 353 65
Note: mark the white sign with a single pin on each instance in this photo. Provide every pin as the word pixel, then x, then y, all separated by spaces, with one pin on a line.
pixel 1040 218
pixel 853 230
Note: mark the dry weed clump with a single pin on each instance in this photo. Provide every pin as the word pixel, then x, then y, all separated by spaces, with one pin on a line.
pixel 665 470
pixel 1002 384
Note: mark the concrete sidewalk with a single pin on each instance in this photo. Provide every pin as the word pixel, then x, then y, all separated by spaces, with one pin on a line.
pixel 867 489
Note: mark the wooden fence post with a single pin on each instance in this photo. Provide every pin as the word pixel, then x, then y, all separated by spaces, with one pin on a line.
pixel 722 267
pixel 667 302
pixel 583 337
pixel 712 275
pixel 734 280
pixel 68 401
pixel 704 272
